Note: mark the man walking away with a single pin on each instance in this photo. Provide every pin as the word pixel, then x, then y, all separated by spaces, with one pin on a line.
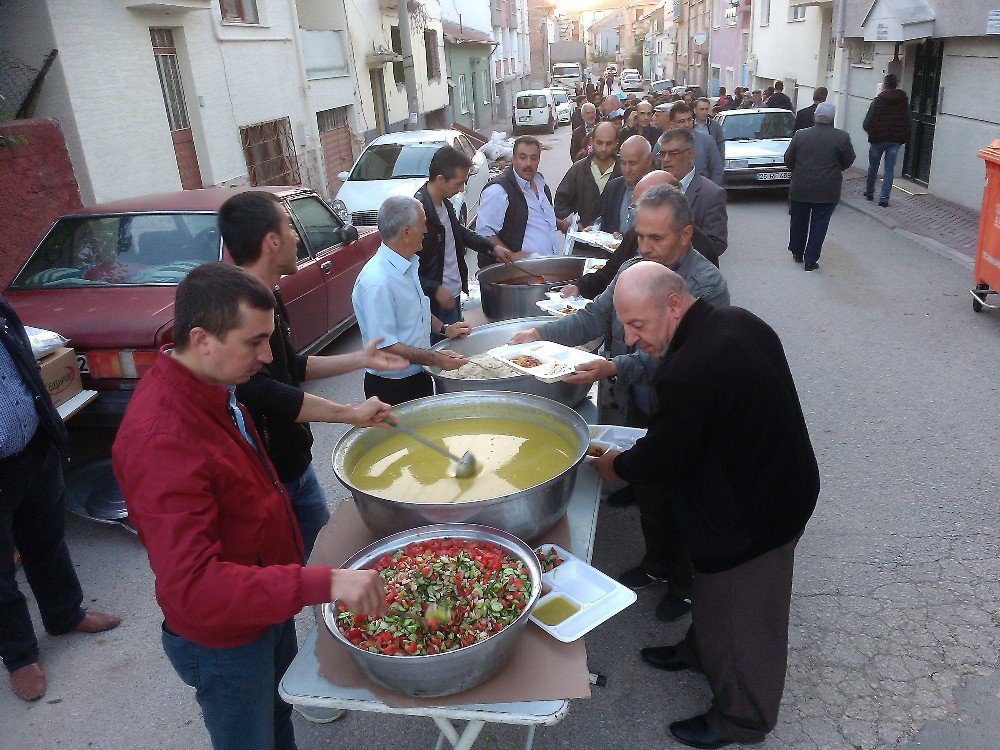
pixel 817 157
pixel 888 124
pixel 806 117
pixel 779 99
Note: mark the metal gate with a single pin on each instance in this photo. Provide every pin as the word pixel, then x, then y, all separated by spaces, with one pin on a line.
pixel 924 105
pixel 335 140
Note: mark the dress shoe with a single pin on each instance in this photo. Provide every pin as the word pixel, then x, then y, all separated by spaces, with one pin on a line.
pixel 28 683
pixel 869 196
pixel 797 257
pixel 695 732
pixel 621 498
pixel 811 266
pixel 663 657
pixel 637 578
pixel 672 607
pixel 97 622
pixel 883 204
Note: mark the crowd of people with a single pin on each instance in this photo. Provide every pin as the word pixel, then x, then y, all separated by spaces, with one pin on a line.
pixel 725 479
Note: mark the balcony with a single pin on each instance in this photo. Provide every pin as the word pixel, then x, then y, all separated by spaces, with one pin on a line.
pixel 326 54
pixel 802 3
pixel 169 6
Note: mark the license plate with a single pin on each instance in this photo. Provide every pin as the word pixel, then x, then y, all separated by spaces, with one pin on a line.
pixel 764 176
pixel 81 363
pixel 525 118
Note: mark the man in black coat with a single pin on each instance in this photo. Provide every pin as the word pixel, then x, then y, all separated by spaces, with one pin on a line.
pixel 779 99
pixel 635 161
pixel 729 441
pixel 261 240
pixel 581 188
pixel 817 157
pixel 32 448
pixel 579 136
pixel 806 117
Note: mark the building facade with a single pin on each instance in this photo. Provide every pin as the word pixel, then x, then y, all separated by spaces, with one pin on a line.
pixel 543 29
pixel 729 45
pixel 512 56
pixel 467 52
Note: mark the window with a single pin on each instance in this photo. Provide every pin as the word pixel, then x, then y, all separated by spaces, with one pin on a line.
pixel 165 55
pixel 321 227
pixel 270 153
pixel 513 65
pixel 239 11
pixel 638 14
pixel 867 54
pixel 765 12
pixel 397 46
pixel 486 88
pixel 431 54
pixel 465 146
pixel 716 13
pixel 463 97
pixel 831 54
pixel 797 13
pixel 499 68
pixel 331 119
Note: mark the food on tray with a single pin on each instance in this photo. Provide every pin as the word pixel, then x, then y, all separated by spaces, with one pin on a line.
pixel 510 456
pixel 525 360
pixel 482 367
pixel 555 370
pixel 553 611
pixel 568 310
pixel 549 560
pixel 596 451
pixel 441 595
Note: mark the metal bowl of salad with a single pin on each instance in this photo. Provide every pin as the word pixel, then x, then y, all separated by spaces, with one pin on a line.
pixel 458 598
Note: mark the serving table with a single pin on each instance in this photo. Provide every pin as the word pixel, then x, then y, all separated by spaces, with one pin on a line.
pixel 302 684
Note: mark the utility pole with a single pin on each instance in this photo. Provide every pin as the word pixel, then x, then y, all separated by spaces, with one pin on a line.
pixel 415 121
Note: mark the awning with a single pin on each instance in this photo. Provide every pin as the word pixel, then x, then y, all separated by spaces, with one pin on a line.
pixel 461 33
pixel 898 21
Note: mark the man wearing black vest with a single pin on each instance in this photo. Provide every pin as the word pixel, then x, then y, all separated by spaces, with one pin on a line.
pixel 888 124
pixel 515 209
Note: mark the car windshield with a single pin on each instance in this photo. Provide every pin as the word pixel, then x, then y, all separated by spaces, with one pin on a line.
pixel 121 249
pixel 758 125
pixel 531 101
pixel 392 161
pixel 559 97
pixel 566 70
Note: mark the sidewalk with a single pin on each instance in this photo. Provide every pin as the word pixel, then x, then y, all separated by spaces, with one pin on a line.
pixel 948 224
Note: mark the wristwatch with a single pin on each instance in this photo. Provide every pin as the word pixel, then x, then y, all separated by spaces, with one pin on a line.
pixel 441 332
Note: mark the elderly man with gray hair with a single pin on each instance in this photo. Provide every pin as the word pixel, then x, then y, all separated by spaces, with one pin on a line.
pixel 390 305
pixel 817 157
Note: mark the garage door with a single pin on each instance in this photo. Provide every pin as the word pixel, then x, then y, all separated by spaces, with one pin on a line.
pixel 335 140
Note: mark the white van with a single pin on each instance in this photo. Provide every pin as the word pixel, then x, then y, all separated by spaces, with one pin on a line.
pixel 534 108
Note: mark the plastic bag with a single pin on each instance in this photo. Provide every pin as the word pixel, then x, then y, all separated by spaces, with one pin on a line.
pixel 574 219
pixel 44 342
pixel 498 147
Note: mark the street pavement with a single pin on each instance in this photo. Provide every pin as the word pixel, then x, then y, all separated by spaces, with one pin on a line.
pixel 894 636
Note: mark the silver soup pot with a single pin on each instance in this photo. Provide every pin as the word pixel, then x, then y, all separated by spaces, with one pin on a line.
pixel 507 301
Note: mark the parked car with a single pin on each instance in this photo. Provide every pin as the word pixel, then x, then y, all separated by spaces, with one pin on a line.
pixel 756 140
pixel 611 69
pixel 534 108
pixel 661 87
pixel 631 80
pixel 564 104
pixel 398 164
pixel 695 91
pixel 105 278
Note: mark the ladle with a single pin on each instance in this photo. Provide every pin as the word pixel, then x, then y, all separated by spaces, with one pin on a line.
pixel 465 466
pixel 538 279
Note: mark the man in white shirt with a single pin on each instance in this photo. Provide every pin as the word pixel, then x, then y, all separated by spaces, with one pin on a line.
pixel 515 209
pixel 390 305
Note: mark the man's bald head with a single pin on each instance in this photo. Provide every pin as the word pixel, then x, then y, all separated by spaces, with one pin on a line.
pixel 636 158
pixel 605 138
pixel 589 113
pixel 650 301
pixel 656 177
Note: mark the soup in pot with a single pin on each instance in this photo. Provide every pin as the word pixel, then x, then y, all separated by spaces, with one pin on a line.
pixel 510 456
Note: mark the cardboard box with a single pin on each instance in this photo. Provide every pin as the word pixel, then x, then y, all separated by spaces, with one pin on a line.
pixel 61 375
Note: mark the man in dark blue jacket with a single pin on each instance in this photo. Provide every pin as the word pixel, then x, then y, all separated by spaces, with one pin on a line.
pixel 32 446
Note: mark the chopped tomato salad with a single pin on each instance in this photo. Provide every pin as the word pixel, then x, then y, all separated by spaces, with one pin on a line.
pixel 441 595
pixel 549 560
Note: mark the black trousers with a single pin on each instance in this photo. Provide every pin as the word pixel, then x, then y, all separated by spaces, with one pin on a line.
pixel 32 518
pixel 394 391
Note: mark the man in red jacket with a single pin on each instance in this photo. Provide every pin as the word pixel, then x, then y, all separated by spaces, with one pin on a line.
pixel 215 519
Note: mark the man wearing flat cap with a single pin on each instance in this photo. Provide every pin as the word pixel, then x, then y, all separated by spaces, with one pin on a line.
pixel 817 157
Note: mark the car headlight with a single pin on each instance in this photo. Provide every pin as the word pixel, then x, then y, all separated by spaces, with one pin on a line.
pixel 737 164
pixel 340 208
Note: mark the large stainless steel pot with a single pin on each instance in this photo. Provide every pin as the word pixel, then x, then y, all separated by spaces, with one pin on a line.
pixel 507 301
pixel 434 675
pixel 484 338
pixel 525 514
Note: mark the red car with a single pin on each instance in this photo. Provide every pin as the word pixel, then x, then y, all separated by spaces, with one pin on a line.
pixel 104 278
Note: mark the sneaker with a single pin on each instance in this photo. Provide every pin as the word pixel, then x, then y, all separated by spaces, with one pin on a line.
pixel 797 257
pixel 320 715
pixel 637 578
pixel 811 266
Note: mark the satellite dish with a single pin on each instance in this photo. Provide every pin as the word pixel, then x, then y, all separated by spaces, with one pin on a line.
pixel 672 33
pixel 700 37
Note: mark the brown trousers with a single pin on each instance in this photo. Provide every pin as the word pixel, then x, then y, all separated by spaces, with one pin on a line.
pixel 739 639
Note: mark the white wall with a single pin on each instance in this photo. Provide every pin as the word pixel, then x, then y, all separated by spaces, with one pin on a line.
pixel 473 14
pixel 788 49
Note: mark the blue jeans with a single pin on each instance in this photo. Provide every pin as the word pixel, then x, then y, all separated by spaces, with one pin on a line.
pixel 875 152
pixel 32 517
pixel 309 507
pixel 807 229
pixel 237 688
pixel 445 316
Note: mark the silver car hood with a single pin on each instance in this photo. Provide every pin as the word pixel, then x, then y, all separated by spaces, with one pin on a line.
pixel 758 150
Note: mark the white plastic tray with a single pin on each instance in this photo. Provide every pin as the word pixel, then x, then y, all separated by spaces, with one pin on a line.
pixel 593 264
pixel 556 304
pixel 614 436
pixel 603 240
pixel 557 360
pixel 598 596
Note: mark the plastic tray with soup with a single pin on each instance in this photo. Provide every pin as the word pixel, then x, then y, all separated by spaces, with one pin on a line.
pixel 511 456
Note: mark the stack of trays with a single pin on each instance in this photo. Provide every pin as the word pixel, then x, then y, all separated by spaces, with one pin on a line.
pixel 576 597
